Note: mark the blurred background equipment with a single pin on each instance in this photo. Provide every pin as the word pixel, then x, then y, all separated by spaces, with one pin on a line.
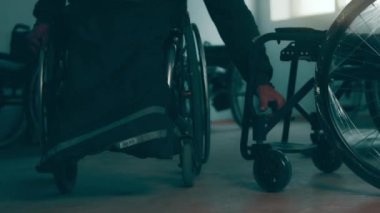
pixel 14 80
pixel 226 86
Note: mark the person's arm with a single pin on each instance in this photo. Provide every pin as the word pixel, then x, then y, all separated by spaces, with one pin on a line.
pixel 237 28
pixel 46 11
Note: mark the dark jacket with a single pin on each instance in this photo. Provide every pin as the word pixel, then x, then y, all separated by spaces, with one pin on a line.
pixel 234 21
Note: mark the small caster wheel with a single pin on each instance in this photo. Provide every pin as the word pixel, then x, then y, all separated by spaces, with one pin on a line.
pixel 272 170
pixel 197 168
pixel 197 161
pixel 187 163
pixel 65 174
pixel 326 158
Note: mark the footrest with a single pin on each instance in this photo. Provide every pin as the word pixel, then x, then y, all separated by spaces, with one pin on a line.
pixel 292 147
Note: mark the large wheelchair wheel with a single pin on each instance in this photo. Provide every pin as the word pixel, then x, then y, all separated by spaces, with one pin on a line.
pixel 188 80
pixel 202 93
pixel 13 125
pixel 237 95
pixel 34 106
pixel 45 86
pixel 351 53
pixel 13 80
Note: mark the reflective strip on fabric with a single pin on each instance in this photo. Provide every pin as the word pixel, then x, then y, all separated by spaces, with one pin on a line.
pixel 142 138
pixel 92 134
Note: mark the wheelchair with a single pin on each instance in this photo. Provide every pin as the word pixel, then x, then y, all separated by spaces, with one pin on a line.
pixel 351 54
pixel 15 70
pixel 227 87
pixel 187 80
pixel 272 170
pixel 347 54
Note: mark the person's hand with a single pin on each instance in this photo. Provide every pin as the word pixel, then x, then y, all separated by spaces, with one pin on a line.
pixel 38 37
pixel 267 94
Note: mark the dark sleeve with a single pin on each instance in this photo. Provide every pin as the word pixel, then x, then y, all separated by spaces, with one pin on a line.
pixel 47 10
pixel 237 28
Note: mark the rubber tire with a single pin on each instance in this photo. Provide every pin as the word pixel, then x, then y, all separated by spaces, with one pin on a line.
pixel 272 170
pixel 326 159
pixel 65 175
pixel 187 163
pixel 236 85
pixel 204 96
pixel 353 10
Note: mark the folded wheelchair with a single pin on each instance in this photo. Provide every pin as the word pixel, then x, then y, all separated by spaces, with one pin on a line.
pixel 187 80
pixel 345 126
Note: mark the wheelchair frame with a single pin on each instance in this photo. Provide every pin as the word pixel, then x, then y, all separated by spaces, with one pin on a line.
pixel 355 30
pixel 187 79
pixel 272 169
pixel 15 70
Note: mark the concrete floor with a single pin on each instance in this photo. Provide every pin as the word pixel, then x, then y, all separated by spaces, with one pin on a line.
pixel 111 182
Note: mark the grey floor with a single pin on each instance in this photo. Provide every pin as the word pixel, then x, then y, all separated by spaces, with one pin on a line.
pixel 111 182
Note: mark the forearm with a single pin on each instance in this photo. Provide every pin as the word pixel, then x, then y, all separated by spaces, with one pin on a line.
pixel 237 28
pixel 47 10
